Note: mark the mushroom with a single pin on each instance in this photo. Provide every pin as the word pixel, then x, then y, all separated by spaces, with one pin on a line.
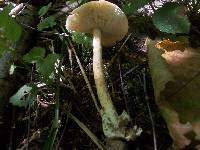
pixel 108 24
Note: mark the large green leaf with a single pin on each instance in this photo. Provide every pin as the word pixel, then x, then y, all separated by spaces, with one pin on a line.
pixel 133 5
pixel 35 54
pixel 10 31
pixel 45 65
pixel 8 25
pixel 171 18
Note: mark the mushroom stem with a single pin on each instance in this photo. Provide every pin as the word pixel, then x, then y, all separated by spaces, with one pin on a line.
pixel 102 91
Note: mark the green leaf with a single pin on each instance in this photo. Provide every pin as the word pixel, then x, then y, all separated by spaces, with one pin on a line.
pixel 44 10
pixel 35 54
pixel 81 38
pixel 10 30
pixel 13 30
pixel 47 66
pixel 9 27
pixel 171 18
pixel 17 98
pixel 3 46
pixel 132 6
pixel 47 23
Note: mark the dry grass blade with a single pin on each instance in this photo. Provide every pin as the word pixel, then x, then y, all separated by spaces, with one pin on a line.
pixel 88 132
pixel 85 78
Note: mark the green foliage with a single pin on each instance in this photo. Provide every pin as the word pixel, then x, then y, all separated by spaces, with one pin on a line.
pixel 132 6
pixel 171 18
pixel 47 23
pixel 18 99
pixel 44 10
pixel 81 38
pixel 51 139
pixel 3 45
pixel 47 65
pixel 10 30
pixel 35 55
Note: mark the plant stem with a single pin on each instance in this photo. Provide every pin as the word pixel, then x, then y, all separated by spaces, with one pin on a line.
pixel 102 91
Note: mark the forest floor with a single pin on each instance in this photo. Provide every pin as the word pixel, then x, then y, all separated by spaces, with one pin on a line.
pixel 130 86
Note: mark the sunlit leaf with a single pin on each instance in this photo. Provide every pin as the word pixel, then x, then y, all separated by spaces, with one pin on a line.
pixel 171 18
pixel 17 98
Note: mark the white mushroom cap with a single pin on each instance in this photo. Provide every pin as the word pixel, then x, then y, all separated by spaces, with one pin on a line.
pixel 103 15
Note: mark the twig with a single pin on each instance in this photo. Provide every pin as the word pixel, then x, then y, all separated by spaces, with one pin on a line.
pixel 149 109
pixel 70 60
pixel 29 114
pixel 128 72
pixel 29 126
pixel 124 92
pixel 34 136
pixel 120 49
